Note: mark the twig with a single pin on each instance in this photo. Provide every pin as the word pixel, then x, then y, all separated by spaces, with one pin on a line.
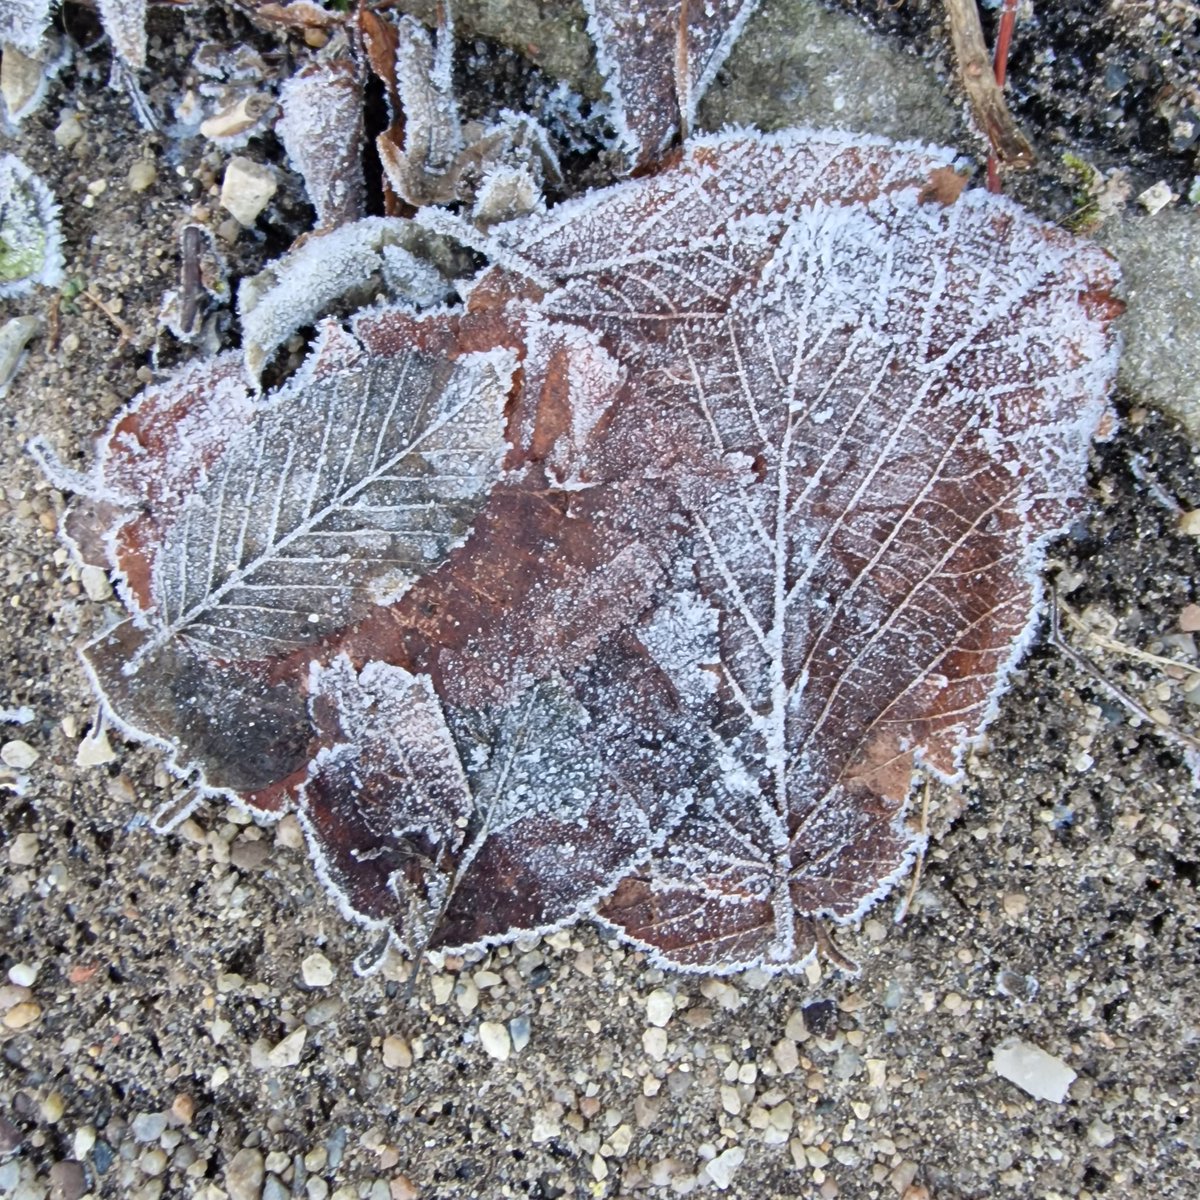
pixel 979 78
pixel 827 949
pixel 189 277
pixel 1123 698
pixel 122 328
pixel 1111 644
pixel 683 84
pixel 919 866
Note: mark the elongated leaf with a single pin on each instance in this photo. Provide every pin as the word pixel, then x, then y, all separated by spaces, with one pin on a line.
pixel 322 130
pixel 361 475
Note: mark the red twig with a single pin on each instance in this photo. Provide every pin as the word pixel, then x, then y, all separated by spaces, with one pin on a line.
pixel 1008 18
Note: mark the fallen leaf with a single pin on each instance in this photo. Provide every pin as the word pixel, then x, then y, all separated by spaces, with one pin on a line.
pixel 658 58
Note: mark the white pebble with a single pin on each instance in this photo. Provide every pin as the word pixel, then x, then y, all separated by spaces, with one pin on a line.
pixel 94 751
pixel 1032 1069
pixel 654 1042
pixel 95 583
pixel 493 1037
pixel 23 974
pixel 317 970
pixel 18 754
pixel 660 1007
pixel 23 850
pixel 722 1168
pixel 247 189
pixel 287 1053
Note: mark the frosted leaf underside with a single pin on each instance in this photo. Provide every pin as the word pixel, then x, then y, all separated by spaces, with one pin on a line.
pixel 645 583
pixel 359 477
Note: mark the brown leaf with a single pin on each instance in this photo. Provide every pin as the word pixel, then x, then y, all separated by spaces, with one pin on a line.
pixel 658 58
pixel 322 130
pixel 911 391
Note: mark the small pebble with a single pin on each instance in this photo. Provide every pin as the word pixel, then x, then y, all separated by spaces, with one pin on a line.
pixel 1189 523
pixel 142 175
pixel 244 1175
pixel 67 1180
pixel 68 131
pixel 495 1040
pixel 323 1011
pixel 1156 197
pixel 22 852
pixel 317 970
pixel 1044 1076
pixel 18 754
pixel 723 1168
pixel 94 751
pixel 23 974
pixel 22 1015
pixel 654 1042
pixel 660 1007
pixel 247 189
pixel 95 583
pixel 287 1052
pixel 148 1127
pixel 396 1052
pixel 519 1029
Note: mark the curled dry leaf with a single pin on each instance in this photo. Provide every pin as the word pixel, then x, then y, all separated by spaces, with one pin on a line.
pixel 658 58
pixel 321 127
pixel 645 582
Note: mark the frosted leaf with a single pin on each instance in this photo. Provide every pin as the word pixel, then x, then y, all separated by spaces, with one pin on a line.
pixel 655 71
pixel 322 130
pixel 342 264
pixel 679 609
pixel 360 466
pixel 23 23
pixel 423 172
pixel 464 826
pixel 30 242
pixel 147 463
pixel 125 23
pixel 233 733
pixel 911 390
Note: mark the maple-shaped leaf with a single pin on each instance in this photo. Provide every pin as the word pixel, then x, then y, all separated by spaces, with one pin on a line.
pixel 658 58
pixel 900 396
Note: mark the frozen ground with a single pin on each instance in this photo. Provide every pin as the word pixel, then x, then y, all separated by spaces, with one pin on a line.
pixel 168 1032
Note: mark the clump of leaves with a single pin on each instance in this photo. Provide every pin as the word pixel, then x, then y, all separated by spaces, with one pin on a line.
pixel 642 582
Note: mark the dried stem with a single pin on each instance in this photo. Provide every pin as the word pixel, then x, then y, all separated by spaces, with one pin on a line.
pixel 980 81
pixel 683 85
pixel 122 328
pixel 1122 697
